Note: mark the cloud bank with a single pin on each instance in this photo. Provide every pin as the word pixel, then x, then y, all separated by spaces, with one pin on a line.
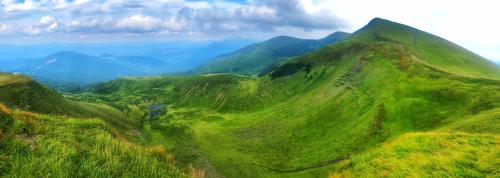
pixel 158 17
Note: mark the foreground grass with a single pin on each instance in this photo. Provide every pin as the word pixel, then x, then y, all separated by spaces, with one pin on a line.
pixel 33 145
pixel 428 154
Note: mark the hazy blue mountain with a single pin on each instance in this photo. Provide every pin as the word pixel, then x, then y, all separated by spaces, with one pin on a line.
pixel 184 54
pixel 74 67
pixel 140 65
pixel 258 57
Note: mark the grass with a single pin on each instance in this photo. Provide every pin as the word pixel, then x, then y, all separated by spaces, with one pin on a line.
pixel 429 154
pixel 54 146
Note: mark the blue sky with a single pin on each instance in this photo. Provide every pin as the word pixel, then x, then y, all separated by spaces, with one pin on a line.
pixel 471 24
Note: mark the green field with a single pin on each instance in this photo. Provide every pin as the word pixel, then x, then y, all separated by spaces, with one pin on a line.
pixel 389 101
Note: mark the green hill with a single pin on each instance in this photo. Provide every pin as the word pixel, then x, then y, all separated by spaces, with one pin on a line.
pixel 36 145
pixel 21 92
pixel 310 115
pixel 254 59
pixel 45 135
pixel 429 49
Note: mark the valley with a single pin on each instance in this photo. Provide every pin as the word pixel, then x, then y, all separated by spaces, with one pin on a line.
pixel 353 97
pixel 389 100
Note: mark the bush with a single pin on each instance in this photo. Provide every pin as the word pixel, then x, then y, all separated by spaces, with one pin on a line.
pixel 6 119
pixel 290 69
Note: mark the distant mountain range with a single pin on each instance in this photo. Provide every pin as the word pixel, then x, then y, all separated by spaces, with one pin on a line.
pixel 75 67
pixel 254 59
pixel 184 54
pixel 89 63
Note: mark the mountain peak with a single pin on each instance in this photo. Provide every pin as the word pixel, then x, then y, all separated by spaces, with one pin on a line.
pixel 378 20
pixel 67 54
pixel 282 37
pixel 335 37
pixel 377 23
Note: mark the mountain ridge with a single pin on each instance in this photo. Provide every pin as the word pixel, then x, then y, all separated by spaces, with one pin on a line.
pixel 430 49
pixel 255 58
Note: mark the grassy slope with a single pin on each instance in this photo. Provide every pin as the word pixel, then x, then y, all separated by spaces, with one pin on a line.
pixel 35 145
pixel 56 145
pixel 256 58
pixel 432 50
pixel 428 154
pixel 305 117
pixel 21 92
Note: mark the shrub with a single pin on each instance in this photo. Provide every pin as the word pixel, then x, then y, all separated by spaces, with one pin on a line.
pixel 6 119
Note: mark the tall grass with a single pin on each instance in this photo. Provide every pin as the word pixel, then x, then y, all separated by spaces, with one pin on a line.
pixel 54 146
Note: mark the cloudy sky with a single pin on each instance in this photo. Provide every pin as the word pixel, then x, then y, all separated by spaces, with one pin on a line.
pixel 472 24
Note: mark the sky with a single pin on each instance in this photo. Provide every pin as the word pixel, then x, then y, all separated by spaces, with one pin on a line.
pixel 472 24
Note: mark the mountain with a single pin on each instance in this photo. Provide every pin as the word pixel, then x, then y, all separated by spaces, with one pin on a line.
pixel 255 58
pixel 17 91
pixel 64 68
pixel 185 55
pixel 74 67
pixel 390 100
pixel 189 57
pixel 23 93
pixel 432 50
pixel 140 65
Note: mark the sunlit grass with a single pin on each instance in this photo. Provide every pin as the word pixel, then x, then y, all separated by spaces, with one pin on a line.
pixel 36 145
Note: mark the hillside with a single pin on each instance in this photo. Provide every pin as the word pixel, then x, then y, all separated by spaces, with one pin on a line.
pixel 310 115
pixel 44 134
pixel 21 92
pixel 432 50
pixel 254 59
pixel 441 154
pixel 36 145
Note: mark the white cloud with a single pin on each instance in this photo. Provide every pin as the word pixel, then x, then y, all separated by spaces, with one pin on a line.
pixel 47 20
pixel 137 23
pixel 13 5
pixel 160 16
pixel 6 29
pixel 46 24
